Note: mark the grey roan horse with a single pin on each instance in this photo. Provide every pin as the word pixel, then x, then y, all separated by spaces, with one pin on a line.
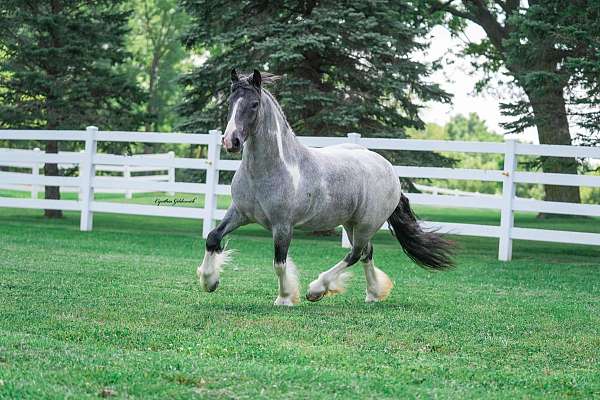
pixel 282 184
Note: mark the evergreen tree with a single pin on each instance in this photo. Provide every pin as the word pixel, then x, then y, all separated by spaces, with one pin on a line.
pixel 347 66
pixel 63 69
pixel 551 49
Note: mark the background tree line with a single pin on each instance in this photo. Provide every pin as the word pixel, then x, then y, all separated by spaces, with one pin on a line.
pixel 163 65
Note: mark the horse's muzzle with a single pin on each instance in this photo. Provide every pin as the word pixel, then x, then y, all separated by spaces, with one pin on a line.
pixel 233 144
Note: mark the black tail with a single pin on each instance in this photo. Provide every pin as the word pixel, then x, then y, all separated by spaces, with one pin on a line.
pixel 428 249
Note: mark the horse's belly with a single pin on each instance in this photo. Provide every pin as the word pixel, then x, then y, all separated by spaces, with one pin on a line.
pixel 325 214
pixel 319 224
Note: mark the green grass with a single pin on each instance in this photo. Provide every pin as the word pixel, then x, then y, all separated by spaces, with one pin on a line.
pixel 119 310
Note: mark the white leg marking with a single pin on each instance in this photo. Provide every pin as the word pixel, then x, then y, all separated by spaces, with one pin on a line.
pixel 212 265
pixel 330 282
pixel 289 288
pixel 379 284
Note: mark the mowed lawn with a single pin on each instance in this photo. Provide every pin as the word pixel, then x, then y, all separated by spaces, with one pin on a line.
pixel 118 312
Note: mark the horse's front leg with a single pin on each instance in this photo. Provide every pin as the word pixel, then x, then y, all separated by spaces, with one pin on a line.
pixel 215 256
pixel 289 293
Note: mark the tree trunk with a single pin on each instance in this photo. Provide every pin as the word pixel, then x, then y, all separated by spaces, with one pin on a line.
pixel 553 128
pixel 52 192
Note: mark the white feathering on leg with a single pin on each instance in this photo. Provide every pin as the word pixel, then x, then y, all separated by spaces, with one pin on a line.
pixel 379 285
pixel 208 272
pixel 292 280
pixel 291 285
pixel 223 258
pixel 338 285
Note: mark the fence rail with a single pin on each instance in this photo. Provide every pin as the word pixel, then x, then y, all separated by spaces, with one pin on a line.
pixel 89 161
pixel 130 165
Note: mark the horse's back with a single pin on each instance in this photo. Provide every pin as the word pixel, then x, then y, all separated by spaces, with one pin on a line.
pixel 350 157
pixel 359 182
pixel 342 146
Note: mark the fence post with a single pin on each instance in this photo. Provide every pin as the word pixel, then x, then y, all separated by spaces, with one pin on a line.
pixel 352 138
pixel 212 180
pixel 127 176
pixel 35 171
pixel 171 171
pixel 508 195
pixel 80 193
pixel 87 172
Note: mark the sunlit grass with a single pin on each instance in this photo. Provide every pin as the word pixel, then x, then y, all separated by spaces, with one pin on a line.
pixel 119 310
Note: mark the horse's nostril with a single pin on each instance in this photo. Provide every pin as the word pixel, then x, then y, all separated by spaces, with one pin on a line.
pixel 236 143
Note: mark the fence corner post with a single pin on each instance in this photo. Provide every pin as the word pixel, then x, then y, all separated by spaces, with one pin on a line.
pixel 35 171
pixel 87 172
pixel 508 195
pixel 353 137
pixel 171 172
pixel 212 180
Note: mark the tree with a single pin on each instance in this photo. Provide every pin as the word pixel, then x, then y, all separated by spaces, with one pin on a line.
pixel 347 66
pixel 550 49
pixel 158 55
pixel 63 69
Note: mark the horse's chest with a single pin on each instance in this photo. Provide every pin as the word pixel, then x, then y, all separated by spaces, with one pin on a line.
pixel 265 201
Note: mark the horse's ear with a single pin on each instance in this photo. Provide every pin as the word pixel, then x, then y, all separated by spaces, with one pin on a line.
pixel 234 76
pixel 256 78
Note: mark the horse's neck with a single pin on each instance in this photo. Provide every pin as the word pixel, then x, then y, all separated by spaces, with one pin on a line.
pixel 273 146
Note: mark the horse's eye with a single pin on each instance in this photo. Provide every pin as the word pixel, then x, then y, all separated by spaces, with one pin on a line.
pixel 254 105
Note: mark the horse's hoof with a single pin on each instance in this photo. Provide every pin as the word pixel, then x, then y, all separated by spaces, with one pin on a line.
pixel 315 296
pixel 212 287
pixel 284 301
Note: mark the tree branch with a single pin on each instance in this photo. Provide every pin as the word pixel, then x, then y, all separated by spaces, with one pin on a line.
pixel 447 7
pixel 510 6
pixel 484 18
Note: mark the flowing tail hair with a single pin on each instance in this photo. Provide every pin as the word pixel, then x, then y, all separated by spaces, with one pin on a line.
pixel 428 249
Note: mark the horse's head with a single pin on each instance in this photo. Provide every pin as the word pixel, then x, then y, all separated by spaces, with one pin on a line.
pixel 244 105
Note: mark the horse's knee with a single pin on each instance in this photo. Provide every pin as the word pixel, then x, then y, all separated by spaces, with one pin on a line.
pixel 213 241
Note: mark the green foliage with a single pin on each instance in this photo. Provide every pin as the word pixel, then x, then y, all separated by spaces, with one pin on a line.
pixel 550 51
pixel 158 58
pixel 470 128
pixel 545 46
pixel 62 66
pixel 347 66
pixel 590 195
pixel 557 44
pixel 119 310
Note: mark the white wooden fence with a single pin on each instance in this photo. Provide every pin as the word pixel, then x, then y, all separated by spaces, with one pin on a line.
pixel 165 174
pixel 88 182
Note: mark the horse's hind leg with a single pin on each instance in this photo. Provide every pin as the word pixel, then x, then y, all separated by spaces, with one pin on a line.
pixel 333 280
pixel 379 284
